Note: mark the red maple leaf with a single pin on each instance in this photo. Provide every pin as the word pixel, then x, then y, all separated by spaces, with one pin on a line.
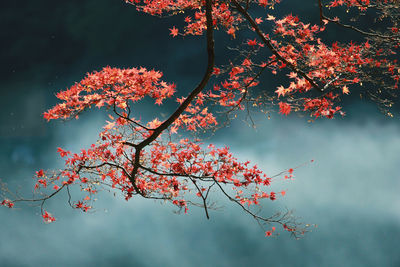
pixel 284 108
pixel 174 31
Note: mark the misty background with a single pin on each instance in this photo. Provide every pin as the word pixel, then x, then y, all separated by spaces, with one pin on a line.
pixel 350 191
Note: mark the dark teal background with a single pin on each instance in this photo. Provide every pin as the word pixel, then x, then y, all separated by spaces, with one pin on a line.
pixel 351 191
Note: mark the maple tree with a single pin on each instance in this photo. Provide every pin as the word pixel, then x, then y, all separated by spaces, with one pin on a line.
pixel 165 159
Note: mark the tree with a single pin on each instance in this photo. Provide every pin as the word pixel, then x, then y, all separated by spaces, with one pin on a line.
pixel 167 160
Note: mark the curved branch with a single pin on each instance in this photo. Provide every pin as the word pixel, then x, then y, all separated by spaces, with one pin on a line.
pixel 157 132
pixel 351 27
pixel 246 87
pixel 276 218
pixel 43 199
pixel 202 197
pixel 175 174
pixel 198 89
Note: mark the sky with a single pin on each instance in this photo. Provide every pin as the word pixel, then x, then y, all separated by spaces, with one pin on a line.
pixel 349 192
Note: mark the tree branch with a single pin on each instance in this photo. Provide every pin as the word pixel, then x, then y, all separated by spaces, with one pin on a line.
pixel 157 132
pixel 351 27
pixel 268 43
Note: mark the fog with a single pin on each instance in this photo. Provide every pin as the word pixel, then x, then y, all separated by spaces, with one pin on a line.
pixel 350 192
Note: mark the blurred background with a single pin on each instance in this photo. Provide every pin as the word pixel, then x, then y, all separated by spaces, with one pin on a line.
pixel 351 191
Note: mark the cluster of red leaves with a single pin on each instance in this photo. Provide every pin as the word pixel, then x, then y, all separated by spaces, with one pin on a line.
pixel 319 62
pixel 47 217
pixel 362 4
pixel 228 93
pixel 7 203
pixel 111 86
pixel 195 116
pixel 222 15
pixel 349 3
pixel 331 67
pixel 270 232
